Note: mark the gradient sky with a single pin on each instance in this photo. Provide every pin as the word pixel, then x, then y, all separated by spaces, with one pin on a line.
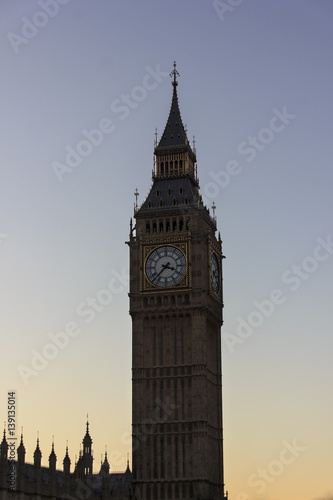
pixel 255 89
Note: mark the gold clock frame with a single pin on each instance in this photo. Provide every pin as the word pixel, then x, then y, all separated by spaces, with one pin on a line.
pixel 147 249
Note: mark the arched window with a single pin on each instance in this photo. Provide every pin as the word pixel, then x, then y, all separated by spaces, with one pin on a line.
pixel 171 167
pixel 158 192
pixel 167 225
pixel 180 167
pixel 166 168
pixel 174 225
pixel 187 224
pixel 161 226
pixel 161 203
pixel 149 204
pixel 176 167
pixel 181 224
pixel 154 227
pixel 186 201
pixel 181 190
pixel 169 192
pixel 148 228
pixel 162 168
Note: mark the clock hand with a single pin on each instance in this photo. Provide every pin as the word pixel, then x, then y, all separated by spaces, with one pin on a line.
pixel 164 266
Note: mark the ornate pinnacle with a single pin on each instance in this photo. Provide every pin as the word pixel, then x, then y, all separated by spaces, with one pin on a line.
pixel 136 194
pixel 174 73
pixel 213 208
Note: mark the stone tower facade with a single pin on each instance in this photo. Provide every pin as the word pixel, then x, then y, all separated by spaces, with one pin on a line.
pixel 176 306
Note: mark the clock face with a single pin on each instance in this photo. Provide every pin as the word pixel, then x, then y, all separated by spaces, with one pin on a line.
pixel 214 273
pixel 165 266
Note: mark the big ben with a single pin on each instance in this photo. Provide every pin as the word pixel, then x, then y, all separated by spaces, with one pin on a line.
pixel 176 303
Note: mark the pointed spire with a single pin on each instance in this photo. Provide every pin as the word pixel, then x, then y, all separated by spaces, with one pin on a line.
pixel 4 447
pixel 105 466
pixel 128 467
pixel 66 462
pixel 37 454
pixel 52 458
pixel 174 134
pixel 86 453
pixel 21 450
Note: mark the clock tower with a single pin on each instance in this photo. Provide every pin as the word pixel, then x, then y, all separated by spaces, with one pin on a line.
pixel 176 306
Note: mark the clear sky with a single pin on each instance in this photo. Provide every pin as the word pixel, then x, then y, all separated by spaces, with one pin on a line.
pixel 255 89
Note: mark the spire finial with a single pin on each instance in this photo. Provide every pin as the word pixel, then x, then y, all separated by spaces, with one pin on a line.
pixel 174 73
pixel 136 194
pixel 193 143
pixel 213 208
pixel 52 443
